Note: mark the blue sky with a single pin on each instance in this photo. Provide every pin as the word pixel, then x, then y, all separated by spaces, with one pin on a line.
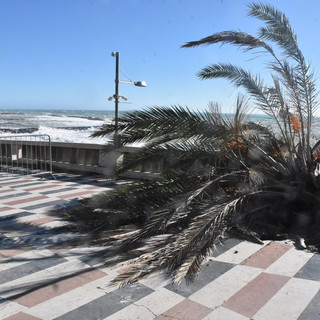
pixel 56 54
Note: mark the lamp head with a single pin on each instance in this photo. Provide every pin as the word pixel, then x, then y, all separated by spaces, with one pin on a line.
pixel 140 83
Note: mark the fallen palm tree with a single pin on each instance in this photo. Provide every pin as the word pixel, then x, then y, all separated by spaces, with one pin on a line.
pixel 224 177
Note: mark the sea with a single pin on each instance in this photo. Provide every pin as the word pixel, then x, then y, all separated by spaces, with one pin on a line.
pixel 61 125
pixel 77 125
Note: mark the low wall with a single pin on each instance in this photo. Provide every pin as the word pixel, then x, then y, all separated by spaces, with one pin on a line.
pixel 93 158
pixel 97 158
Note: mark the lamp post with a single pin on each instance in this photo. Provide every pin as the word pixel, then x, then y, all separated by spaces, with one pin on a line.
pixel 116 96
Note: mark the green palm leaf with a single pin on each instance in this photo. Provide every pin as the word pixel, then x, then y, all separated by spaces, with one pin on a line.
pixel 278 29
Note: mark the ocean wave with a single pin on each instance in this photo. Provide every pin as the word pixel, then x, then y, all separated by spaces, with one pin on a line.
pixel 77 126
pixel 18 130
pixel 62 125
pixel 61 135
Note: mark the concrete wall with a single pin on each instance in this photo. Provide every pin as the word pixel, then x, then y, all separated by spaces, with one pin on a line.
pixel 97 158
pixel 93 158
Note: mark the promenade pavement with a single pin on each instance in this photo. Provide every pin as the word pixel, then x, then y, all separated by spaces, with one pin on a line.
pixel 43 278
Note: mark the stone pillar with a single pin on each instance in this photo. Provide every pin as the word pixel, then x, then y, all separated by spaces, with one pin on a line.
pixel 108 160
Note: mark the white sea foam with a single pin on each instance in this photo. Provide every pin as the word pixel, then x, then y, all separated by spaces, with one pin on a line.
pixel 76 136
pixel 77 126
pixel 61 126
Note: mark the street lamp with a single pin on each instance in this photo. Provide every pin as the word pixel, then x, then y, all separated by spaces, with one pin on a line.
pixel 116 97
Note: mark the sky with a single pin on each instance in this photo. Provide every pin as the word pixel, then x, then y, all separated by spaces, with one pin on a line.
pixel 56 54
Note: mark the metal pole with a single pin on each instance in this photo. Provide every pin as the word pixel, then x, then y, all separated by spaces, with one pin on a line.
pixel 116 101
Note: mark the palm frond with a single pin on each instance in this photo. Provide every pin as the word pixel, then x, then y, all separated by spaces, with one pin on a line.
pixel 155 122
pixel 177 213
pixel 140 197
pixel 280 31
pixel 239 77
pixel 278 28
pixel 242 78
pixel 104 130
pixel 241 39
pixel 182 255
pixel 177 153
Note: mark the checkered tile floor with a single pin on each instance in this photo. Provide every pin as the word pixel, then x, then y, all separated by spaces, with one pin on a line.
pixel 42 279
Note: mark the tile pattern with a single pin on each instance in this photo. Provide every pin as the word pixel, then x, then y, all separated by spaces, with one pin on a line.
pixel 42 279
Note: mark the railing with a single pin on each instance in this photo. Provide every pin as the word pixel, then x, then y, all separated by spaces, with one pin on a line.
pixel 25 154
pixel 32 154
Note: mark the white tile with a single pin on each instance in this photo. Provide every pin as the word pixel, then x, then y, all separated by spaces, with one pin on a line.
pixel 61 192
pixel 9 212
pixel 72 299
pixel 74 253
pixel 239 252
pixel 24 257
pixel 9 308
pixel 155 282
pixel 290 263
pixel 35 254
pixel 10 263
pixel 290 301
pixel 133 311
pixel 65 302
pixel 222 288
pixel 12 182
pixel 28 203
pixel 224 314
pixel 160 301
pixel 55 272
pixel 102 284
pixel 30 217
